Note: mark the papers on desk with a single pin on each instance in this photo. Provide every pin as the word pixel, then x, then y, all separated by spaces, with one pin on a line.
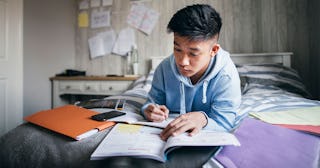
pixel 303 116
pixel 303 119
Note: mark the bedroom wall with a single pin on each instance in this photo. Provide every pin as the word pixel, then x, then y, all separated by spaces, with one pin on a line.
pixel 52 41
pixel 49 48
pixel 248 26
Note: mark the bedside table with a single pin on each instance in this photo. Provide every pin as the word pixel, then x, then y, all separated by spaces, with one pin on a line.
pixel 87 85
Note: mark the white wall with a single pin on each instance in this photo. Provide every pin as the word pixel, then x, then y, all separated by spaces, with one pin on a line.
pixel 49 48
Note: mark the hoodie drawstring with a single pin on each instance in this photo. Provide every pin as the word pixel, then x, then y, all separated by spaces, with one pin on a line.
pixel 204 91
pixel 183 96
pixel 182 99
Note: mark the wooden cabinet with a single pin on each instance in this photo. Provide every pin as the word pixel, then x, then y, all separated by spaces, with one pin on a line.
pixel 87 85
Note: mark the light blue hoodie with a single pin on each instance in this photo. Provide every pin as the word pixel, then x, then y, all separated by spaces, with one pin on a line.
pixel 217 94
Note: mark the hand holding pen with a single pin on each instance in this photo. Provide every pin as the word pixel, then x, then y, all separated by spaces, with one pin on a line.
pixel 155 112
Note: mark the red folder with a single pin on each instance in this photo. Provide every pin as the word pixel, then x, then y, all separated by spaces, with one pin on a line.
pixel 307 128
pixel 69 120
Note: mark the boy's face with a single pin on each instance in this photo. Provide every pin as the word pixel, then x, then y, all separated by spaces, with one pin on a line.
pixel 193 57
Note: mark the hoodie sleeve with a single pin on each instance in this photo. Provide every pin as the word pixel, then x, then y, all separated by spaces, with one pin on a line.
pixel 224 104
pixel 157 89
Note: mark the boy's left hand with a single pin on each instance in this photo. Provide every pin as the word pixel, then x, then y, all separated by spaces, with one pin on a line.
pixel 192 122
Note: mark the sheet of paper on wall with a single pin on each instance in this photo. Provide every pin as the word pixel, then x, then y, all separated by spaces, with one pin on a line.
pixel 150 19
pixel 102 43
pixel 136 14
pixel 142 17
pixel 96 46
pixel 108 38
pixel 84 4
pixel 107 2
pixel 100 19
pixel 124 42
pixel 83 19
pixel 94 3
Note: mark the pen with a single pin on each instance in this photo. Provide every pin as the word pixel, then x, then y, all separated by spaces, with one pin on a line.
pixel 153 102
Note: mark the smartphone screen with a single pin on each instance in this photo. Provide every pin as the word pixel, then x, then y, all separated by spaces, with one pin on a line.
pixel 107 115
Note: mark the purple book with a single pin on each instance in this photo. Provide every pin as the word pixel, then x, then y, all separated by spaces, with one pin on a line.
pixel 264 145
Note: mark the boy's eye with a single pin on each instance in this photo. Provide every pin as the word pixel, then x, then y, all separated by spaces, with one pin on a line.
pixel 177 49
pixel 193 54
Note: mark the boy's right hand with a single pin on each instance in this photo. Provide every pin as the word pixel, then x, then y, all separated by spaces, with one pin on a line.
pixel 156 113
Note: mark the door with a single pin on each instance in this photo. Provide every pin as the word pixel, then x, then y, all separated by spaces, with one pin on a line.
pixel 11 64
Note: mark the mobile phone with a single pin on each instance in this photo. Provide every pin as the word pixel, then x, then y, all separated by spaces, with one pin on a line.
pixel 107 115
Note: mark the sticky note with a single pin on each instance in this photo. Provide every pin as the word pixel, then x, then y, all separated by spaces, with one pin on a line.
pixel 83 19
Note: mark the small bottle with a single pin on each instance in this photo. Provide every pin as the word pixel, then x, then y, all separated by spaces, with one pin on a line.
pixel 128 69
pixel 135 61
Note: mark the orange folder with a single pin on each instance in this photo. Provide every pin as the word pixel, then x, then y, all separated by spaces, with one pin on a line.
pixel 69 120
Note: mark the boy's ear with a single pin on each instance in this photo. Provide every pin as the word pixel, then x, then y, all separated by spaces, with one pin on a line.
pixel 215 49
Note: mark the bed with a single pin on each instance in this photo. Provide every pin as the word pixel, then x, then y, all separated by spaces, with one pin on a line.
pixel 267 82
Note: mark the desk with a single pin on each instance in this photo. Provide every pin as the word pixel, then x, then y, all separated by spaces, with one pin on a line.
pixel 87 85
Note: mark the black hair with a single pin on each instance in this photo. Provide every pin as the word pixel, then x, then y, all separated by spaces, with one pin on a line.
pixel 197 22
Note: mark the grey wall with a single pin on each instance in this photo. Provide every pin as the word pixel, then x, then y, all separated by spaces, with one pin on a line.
pixel 49 48
pixel 52 41
pixel 314 56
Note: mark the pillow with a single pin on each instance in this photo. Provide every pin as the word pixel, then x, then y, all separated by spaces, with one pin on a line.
pixel 148 81
pixel 139 83
pixel 273 75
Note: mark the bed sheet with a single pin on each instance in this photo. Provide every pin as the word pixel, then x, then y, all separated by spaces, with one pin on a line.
pixel 272 87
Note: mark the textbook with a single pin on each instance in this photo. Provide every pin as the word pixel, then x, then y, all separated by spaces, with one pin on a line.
pixel 145 142
pixel 69 120
pixel 265 145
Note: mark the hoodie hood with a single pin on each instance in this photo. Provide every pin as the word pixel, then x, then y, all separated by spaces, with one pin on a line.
pixel 216 64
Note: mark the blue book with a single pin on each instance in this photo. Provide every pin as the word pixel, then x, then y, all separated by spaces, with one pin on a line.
pixel 264 145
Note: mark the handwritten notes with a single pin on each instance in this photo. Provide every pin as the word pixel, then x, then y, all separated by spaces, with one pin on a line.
pixel 107 2
pixel 84 4
pixel 95 3
pixel 303 116
pixel 100 19
pixel 142 17
pixel 102 43
pixel 125 41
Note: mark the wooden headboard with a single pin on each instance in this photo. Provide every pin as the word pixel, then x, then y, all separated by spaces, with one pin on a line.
pixel 283 58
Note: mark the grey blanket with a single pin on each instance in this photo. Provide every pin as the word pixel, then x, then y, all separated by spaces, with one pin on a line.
pixel 29 145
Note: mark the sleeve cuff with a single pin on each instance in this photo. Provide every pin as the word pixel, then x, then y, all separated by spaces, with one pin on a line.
pixel 212 124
